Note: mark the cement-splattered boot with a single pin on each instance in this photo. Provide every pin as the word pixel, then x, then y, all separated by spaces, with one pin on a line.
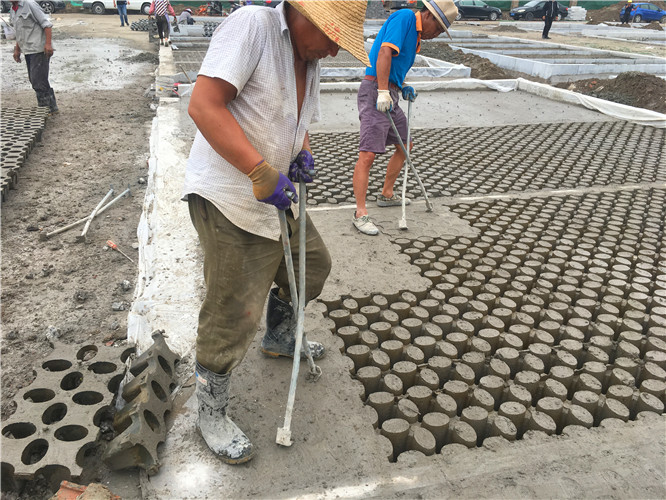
pixel 280 338
pixel 221 434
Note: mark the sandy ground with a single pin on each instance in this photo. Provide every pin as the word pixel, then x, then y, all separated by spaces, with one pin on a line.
pixel 99 139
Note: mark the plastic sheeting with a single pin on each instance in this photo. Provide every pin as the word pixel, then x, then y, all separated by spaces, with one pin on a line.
pixel 616 110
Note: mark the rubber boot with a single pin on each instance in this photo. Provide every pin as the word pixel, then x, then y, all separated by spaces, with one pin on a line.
pixel 221 434
pixel 280 337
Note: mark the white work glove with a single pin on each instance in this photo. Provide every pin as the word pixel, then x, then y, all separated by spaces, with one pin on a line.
pixel 384 101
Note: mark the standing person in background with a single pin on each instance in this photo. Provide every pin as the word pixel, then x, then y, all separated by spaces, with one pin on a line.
pixel 161 9
pixel 392 55
pixel 121 5
pixel 551 10
pixel 628 7
pixel 33 39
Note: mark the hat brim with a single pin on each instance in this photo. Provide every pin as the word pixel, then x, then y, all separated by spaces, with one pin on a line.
pixel 439 19
pixel 341 22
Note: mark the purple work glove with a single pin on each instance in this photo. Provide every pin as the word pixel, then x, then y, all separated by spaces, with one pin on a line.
pixel 284 194
pixel 302 168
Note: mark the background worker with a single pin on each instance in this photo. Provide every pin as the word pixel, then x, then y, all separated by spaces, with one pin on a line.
pixel 162 9
pixel 626 16
pixel 551 10
pixel 185 17
pixel 236 177
pixel 121 6
pixel 33 39
pixel 391 57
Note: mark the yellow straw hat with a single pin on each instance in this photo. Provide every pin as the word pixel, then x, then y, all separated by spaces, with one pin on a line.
pixel 445 11
pixel 341 21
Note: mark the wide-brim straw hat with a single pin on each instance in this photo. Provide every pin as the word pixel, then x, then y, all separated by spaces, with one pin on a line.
pixel 339 20
pixel 445 11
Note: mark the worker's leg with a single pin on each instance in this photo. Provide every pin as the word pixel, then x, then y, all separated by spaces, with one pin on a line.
pixel 280 337
pixel 239 268
pixel 361 180
pixel 38 74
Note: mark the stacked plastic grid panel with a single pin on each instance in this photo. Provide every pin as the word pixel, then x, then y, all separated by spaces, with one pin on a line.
pixel 553 316
pixel 21 129
pixel 481 160
pixel 56 423
pixel 141 423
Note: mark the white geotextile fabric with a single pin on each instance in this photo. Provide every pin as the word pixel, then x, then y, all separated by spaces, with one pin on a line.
pixel 170 280
pixel 614 109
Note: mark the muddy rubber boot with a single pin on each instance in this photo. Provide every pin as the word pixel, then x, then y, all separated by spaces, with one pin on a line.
pixel 280 337
pixel 221 434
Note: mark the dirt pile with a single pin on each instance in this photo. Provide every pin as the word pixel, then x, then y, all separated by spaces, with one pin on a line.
pixel 481 67
pixel 632 88
pixel 610 13
pixel 654 25
pixel 509 29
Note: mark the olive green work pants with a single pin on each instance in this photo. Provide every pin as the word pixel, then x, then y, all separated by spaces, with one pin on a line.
pixel 239 269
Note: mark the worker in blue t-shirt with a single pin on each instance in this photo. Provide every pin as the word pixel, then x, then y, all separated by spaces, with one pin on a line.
pixel 391 57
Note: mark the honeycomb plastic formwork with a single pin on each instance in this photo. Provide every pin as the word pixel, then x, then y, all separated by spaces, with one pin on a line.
pixel 554 315
pixel 20 129
pixel 141 423
pixel 57 418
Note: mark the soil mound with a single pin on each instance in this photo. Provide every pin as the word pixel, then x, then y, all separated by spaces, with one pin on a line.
pixel 610 13
pixel 654 25
pixel 632 88
pixel 509 29
pixel 481 67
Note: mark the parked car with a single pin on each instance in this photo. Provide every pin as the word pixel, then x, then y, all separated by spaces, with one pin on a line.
pixel 101 6
pixel 48 6
pixel 646 12
pixel 399 4
pixel 536 10
pixel 476 9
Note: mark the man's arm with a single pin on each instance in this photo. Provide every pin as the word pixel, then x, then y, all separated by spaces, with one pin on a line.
pixel 208 109
pixel 384 67
pixel 48 49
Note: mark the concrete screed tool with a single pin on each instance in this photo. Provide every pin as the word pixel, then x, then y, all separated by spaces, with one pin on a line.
pixel 298 302
pixel 411 165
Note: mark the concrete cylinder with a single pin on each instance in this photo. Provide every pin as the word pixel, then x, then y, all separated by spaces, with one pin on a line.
pixel 401 309
pixel 586 399
pixel 554 408
pixel 366 337
pixel 393 348
pixel 543 422
pixel 369 376
pixel 458 390
pixel 433 331
pixel 499 368
pixel 401 334
pixel 371 313
pixel 577 415
pixel 655 387
pixel 648 402
pixel 529 380
pixel 503 427
pixel 464 373
pixel 396 430
pixel 518 394
pixel 427 346
pixel 515 412
pixel 359 354
pixel 422 440
pixel 587 382
pixel 428 378
pixel 380 359
pixel 381 329
pixel 406 371
pixel 391 383
pixel 492 336
pixel 438 425
pixel 349 335
pixel 382 402
pixel 413 354
pixel 477 418
pixel 459 341
pixel 482 398
pixel 359 321
pixel 390 317
pixel 413 325
pixel 612 408
pixel 421 396
pixel 463 433
pixel 340 317
pixel 407 410
pixel 494 385
pixel 443 403
pixel 441 365
pixel 621 393
pixel 554 388
pixel 379 301
pixel 476 361
pixel 563 374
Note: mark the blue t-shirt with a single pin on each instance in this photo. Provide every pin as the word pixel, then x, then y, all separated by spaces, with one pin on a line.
pixel 399 32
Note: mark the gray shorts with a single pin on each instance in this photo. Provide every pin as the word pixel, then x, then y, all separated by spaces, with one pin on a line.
pixel 376 130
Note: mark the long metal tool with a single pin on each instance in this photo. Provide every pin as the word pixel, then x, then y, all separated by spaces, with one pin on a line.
pixel 402 223
pixel 283 436
pixel 92 215
pixel 411 165
pixel 45 236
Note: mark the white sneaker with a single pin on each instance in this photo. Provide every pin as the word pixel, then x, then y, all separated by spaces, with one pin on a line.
pixel 365 225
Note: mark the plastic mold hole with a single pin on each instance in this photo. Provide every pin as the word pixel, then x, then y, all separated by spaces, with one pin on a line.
pixel 71 433
pixel 159 392
pixel 35 451
pixel 86 353
pixel 102 367
pixel 71 381
pixel 54 413
pixel 151 420
pixel 56 365
pixel 126 354
pixel 165 365
pixel 39 395
pixel 19 430
pixel 114 383
pixel 87 398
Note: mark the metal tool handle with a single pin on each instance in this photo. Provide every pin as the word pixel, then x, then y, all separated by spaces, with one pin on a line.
pixel 409 162
pixel 404 176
